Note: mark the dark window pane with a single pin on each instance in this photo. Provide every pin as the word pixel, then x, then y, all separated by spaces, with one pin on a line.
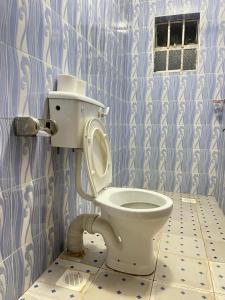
pixel 160 61
pixel 176 34
pixel 190 58
pixel 175 60
pixel 161 35
pixel 191 32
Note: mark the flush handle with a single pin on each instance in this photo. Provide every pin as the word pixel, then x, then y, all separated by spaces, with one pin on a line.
pixel 103 112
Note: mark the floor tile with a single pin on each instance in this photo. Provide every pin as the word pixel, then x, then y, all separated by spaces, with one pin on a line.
pixel 215 250
pixel 93 239
pixel 183 228
pixel 162 291
pixel 219 297
pixel 56 270
pixel 214 232
pixel 218 277
pixel 51 292
pixel 183 245
pixel 113 285
pixel 95 251
pixel 183 271
pixel 27 296
pixel 76 266
pixel 208 216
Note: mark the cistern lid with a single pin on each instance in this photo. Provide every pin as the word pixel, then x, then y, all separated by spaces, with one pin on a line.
pixel 97 155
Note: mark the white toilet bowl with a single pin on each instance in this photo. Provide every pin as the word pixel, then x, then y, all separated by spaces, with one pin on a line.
pixel 136 215
pixel 130 217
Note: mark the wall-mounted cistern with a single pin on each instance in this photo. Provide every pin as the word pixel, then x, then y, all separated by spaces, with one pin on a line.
pixel 30 126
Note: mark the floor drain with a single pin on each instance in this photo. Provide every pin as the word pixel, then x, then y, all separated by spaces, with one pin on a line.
pixel 74 280
pixel 189 200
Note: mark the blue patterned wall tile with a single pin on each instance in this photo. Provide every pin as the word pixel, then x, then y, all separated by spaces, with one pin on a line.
pixel 7 287
pixel 24 161
pixel 153 180
pixel 219 87
pixel 186 183
pixel 23 18
pixel 155 134
pixel 43 241
pixel 160 7
pixel 27 91
pixel 71 193
pixel 208 60
pixel 23 264
pixel 72 12
pixel 72 51
pixel 56 44
pixel 8 23
pixel 44 164
pixel 84 18
pixel 197 138
pixel 171 136
pixel 35 29
pixel 153 155
pixel 25 82
pixel 211 35
pixel 3 80
pixel 5 174
pixel 47 34
pixel 170 181
pixel 65 48
pixel 50 240
pixel 186 160
pixel 15 86
pixel 56 5
pixel 58 244
pixel 25 221
pixel 189 113
pixel 58 159
pixel 40 255
pixel 203 186
pixel 213 9
pixel 6 225
pixel 170 163
pixel 157 88
pixel 41 204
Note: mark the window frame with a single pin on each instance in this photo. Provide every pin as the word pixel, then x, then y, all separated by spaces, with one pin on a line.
pixel 181 47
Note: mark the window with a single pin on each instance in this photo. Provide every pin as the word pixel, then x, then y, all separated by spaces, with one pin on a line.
pixel 176 43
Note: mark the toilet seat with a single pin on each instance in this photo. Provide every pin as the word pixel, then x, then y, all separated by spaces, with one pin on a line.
pixel 97 156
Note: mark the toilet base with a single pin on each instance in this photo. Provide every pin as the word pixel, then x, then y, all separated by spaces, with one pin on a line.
pixel 136 255
pixel 129 268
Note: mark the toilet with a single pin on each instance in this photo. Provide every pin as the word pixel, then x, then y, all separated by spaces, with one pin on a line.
pixel 136 215
pixel 130 218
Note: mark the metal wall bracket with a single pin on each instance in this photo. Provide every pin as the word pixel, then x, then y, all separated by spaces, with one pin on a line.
pixel 30 126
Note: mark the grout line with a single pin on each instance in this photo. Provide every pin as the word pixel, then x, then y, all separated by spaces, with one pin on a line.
pixel 210 273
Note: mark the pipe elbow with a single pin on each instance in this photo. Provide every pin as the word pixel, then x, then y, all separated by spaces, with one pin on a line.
pixel 92 224
pixel 103 227
pixel 75 244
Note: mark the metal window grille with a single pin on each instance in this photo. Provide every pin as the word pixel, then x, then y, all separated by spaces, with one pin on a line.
pixel 176 44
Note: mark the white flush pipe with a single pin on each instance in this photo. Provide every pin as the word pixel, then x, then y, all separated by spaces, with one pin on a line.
pixel 93 224
pixel 78 177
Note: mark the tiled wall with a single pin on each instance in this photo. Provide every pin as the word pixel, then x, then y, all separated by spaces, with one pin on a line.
pixel 38 40
pixel 175 129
